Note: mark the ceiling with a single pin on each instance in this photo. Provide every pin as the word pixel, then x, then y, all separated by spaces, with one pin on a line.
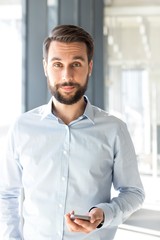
pixel 131 2
pixel 132 30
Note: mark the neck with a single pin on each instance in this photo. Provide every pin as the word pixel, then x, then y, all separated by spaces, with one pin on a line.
pixel 68 113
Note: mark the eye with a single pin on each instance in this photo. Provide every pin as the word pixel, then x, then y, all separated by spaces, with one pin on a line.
pixel 76 64
pixel 57 65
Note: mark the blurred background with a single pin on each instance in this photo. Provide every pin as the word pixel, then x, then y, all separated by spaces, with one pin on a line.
pixel 125 79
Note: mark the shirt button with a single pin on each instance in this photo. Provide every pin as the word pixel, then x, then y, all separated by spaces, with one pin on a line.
pixel 65 152
pixel 63 179
pixel 60 205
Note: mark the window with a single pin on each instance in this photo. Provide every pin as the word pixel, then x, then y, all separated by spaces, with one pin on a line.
pixel 11 65
pixel 132 85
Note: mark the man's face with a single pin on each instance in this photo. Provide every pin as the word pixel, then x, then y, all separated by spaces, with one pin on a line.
pixel 67 71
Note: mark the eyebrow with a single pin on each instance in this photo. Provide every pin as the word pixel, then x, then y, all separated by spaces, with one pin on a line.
pixel 74 58
pixel 79 58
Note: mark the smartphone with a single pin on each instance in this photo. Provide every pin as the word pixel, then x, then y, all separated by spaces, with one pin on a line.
pixel 82 217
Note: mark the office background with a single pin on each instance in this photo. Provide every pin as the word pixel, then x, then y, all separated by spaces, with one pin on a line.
pixel 125 79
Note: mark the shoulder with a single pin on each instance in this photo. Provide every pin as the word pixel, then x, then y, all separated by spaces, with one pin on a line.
pixel 36 113
pixel 29 117
pixel 106 117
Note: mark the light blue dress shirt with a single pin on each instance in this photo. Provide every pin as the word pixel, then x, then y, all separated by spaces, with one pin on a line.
pixel 67 167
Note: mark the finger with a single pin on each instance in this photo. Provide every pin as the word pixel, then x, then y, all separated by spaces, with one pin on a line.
pixel 86 226
pixel 72 226
pixel 68 218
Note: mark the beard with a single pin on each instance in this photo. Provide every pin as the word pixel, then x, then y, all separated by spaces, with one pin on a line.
pixel 66 98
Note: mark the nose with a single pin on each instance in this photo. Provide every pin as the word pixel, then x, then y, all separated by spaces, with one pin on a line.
pixel 67 74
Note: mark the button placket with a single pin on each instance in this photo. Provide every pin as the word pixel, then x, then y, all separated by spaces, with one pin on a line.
pixel 63 182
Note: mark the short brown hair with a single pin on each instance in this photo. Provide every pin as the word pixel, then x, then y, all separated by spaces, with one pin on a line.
pixel 69 34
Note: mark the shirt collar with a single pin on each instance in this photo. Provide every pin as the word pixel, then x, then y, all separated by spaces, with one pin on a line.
pixel 89 110
pixel 47 110
pixel 88 113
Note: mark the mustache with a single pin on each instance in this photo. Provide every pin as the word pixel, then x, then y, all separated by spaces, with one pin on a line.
pixel 70 84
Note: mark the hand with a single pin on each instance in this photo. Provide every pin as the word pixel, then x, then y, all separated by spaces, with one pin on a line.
pixel 97 216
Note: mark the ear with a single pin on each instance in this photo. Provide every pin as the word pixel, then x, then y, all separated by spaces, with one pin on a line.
pixel 90 67
pixel 45 67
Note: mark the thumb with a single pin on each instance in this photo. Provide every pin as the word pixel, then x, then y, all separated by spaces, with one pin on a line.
pixel 96 214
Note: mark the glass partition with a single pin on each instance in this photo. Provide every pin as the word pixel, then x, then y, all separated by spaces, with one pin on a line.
pixel 132 84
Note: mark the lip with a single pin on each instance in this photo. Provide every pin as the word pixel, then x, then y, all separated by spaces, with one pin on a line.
pixel 68 88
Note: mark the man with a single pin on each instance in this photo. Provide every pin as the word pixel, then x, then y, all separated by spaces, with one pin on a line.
pixel 67 154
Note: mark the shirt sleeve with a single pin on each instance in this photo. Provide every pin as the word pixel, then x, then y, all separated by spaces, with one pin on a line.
pixel 10 192
pixel 126 180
